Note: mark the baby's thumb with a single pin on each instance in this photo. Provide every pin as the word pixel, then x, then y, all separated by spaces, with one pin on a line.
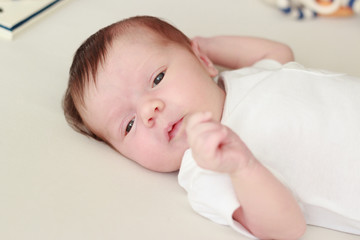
pixel 196 118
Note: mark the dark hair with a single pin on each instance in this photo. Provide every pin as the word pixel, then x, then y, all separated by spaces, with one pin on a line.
pixel 93 52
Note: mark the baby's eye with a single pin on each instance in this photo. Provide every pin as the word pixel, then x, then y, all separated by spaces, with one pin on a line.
pixel 129 126
pixel 158 79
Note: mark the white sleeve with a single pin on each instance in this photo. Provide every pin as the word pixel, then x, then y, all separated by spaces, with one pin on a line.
pixel 210 193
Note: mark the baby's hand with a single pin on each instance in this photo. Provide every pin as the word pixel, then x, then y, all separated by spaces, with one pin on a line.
pixel 216 147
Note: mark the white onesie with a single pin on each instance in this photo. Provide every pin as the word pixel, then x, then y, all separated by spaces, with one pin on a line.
pixel 304 126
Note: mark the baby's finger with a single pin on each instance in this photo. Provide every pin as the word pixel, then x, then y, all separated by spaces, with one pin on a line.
pixel 203 130
pixel 206 147
pixel 210 139
pixel 195 119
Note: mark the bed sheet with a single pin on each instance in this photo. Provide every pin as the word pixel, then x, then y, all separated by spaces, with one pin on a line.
pixel 57 184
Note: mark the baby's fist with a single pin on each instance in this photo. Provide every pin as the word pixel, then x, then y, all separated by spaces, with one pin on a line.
pixel 214 146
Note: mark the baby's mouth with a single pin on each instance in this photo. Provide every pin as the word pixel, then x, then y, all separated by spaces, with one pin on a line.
pixel 173 129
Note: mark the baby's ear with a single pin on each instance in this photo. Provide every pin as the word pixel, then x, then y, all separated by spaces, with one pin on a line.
pixel 204 59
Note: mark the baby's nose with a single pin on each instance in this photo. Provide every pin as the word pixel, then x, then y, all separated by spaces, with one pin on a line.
pixel 150 110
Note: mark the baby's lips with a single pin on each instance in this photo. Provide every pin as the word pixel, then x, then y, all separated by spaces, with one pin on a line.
pixel 175 129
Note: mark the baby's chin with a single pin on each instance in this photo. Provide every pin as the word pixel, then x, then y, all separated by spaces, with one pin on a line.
pixel 165 168
pixel 163 161
pixel 164 165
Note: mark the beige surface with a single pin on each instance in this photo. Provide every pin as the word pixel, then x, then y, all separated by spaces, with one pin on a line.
pixel 56 184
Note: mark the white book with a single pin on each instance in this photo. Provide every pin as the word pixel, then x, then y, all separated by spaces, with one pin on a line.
pixel 15 15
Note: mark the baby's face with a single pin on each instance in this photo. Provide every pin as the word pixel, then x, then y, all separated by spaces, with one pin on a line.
pixel 144 93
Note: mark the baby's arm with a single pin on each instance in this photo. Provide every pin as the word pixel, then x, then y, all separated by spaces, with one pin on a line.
pixel 234 52
pixel 268 209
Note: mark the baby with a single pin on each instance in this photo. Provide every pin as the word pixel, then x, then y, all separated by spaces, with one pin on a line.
pixel 265 149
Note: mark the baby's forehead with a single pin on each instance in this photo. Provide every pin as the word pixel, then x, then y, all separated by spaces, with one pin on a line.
pixel 134 41
pixel 124 52
pixel 140 35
